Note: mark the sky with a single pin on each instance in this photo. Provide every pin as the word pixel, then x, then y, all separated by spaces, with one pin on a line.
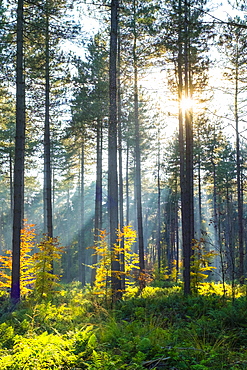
pixel 154 82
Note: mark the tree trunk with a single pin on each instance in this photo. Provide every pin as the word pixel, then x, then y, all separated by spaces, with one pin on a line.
pixel 239 189
pixel 217 241
pixel 98 197
pixel 112 153
pixel 81 249
pixel 186 257
pixel 19 159
pixel 158 237
pixel 188 184
pixel 200 226
pixel 11 184
pixel 127 186
pixel 47 143
pixel 68 246
pixel 138 157
pixel 120 167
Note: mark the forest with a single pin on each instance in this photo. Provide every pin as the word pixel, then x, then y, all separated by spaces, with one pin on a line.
pixel 123 217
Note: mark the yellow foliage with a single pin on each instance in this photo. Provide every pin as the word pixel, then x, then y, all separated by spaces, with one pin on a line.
pixel 26 262
pixel 200 263
pixel 103 266
pixel 45 279
pixel 35 269
pixel 220 289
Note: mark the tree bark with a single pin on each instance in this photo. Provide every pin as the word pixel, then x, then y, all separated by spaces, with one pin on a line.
pixel 138 157
pixel 112 153
pixel 98 197
pixel 81 249
pixel 158 237
pixel 120 167
pixel 47 142
pixel 239 188
pixel 19 159
pixel 182 151
pixel 189 193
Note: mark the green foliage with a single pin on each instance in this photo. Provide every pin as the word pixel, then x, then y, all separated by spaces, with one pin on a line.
pixel 6 335
pixel 159 328
pixel 45 351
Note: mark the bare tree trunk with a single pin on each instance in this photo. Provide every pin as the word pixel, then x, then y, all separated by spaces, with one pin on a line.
pixel 47 143
pixel 81 249
pixel 127 186
pixel 19 159
pixel 188 189
pixel 229 239
pixel 199 192
pixel 186 254
pixel 120 167
pixel 216 218
pixel 11 184
pixel 158 240
pixel 138 157
pixel 177 239
pixel 68 246
pixel 112 153
pixel 98 197
pixel 240 199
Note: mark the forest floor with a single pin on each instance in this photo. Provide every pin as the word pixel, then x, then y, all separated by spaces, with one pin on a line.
pixel 158 329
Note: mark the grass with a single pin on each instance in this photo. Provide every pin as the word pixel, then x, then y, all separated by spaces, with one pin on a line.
pixel 159 329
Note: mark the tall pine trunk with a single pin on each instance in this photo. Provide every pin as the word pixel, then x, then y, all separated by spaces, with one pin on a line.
pixel 138 157
pixel 185 141
pixel 47 142
pixel 98 196
pixel 81 248
pixel 158 236
pixel 18 213
pixel 182 150
pixel 239 187
pixel 112 154
pixel 127 186
pixel 120 166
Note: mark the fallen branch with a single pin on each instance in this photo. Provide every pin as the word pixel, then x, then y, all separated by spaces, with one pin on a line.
pixel 185 348
pixel 155 362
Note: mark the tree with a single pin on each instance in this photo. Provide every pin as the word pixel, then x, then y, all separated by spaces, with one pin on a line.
pixel 7 134
pixel 48 224
pixel 89 111
pixel 19 158
pixel 138 19
pixel 217 162
pixel 112 151
pixel 47 76
pixel 234 42
pixel 187 53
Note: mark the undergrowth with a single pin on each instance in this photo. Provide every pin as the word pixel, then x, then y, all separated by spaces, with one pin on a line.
pixel 157 329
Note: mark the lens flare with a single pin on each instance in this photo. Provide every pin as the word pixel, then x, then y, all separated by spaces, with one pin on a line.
pixel 187 103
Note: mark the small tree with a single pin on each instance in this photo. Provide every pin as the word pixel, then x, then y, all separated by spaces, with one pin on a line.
pixel 200 264
pixel 35 269
pixel 45 279
pixel 26 262
pixel 106 255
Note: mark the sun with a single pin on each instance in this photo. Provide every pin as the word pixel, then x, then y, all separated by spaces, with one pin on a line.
pixel 187 103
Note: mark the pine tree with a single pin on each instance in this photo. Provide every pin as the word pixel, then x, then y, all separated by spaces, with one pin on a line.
pixel 233 40
pixel 18 213
pixel 112 151
pixel 89 110
pixel 187 47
